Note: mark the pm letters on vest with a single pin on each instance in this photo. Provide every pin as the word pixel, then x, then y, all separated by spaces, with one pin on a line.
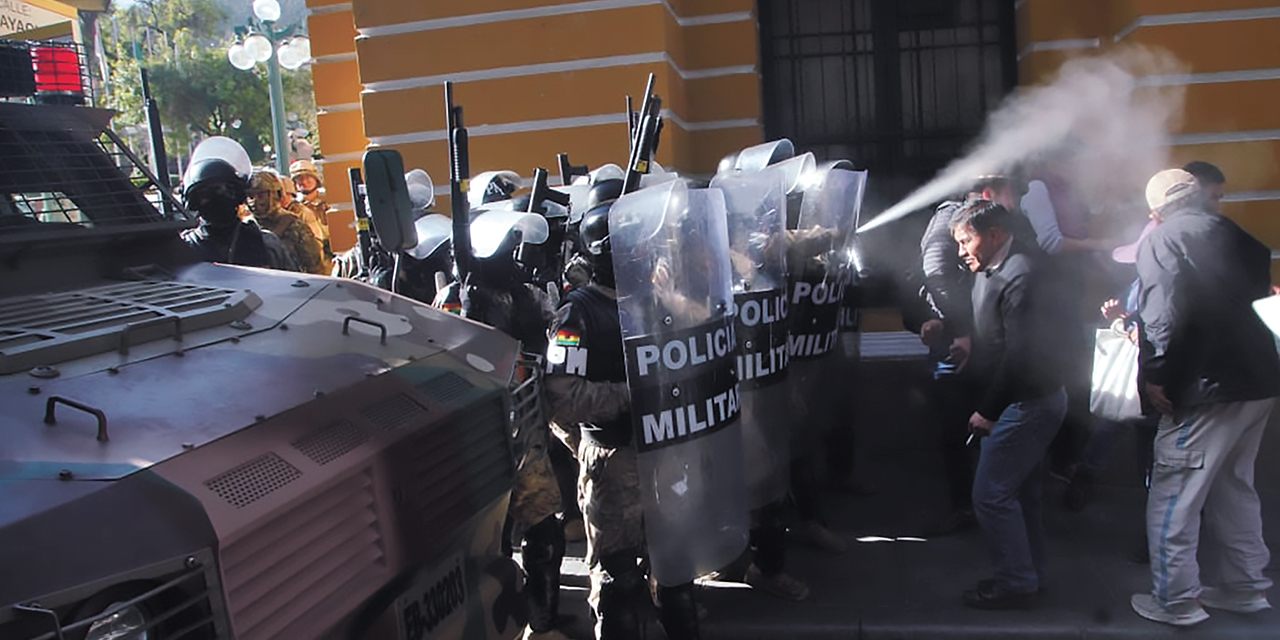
pixel 683 384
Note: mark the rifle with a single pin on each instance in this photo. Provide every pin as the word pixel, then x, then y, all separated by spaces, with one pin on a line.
pixel 633 121
pixel 159 161
pixel 362 223
pixel 542 192
pixel 568 171
pixel 557 226
pixel 645 140
pixel 459 183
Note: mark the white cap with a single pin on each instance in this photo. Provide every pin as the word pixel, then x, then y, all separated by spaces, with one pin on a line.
pixel 1169 186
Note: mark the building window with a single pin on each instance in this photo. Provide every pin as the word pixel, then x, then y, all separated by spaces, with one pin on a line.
pixel 899 87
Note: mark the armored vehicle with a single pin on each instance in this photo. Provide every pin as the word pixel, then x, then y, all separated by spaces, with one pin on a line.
pixel 196 450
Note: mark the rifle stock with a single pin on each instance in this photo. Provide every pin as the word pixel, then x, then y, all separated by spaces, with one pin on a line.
pixel 568 171
pixel 362 221
pixel 459 179
pixel 645 139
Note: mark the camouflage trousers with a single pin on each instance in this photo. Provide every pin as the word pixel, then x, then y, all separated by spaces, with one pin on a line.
pixel 535 494
pixel 609 495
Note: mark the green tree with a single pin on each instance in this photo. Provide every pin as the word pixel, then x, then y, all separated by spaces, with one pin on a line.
pixel 183 44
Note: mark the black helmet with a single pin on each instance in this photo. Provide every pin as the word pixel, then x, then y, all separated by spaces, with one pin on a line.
pixel 593 232
pixel 210 172
pixel 215 190
pixel 604 192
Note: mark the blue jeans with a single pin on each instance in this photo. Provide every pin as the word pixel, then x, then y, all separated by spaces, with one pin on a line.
pixel 1008 486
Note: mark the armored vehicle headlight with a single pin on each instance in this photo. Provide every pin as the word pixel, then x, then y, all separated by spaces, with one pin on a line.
pixel 127 623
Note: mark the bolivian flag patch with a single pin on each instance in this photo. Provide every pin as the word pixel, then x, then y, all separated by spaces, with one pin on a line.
pixel 452 307
pixel 568 338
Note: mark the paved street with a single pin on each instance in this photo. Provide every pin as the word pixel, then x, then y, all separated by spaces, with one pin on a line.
pixel 911 590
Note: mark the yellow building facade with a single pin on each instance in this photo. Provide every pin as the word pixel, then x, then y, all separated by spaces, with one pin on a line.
pixel 537 77
pixel 534 79
pixel 1231 82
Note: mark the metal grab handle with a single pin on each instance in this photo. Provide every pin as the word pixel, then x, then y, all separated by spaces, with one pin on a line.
pixel 128 328
pixel 97 413
pixel 346 326
pixel 36 609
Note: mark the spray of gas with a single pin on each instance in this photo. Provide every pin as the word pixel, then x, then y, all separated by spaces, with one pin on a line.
pixel 1098 123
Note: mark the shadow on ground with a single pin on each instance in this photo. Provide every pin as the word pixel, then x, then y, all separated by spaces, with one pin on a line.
pixel 911 590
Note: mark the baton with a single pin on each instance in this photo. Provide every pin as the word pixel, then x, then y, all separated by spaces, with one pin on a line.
pixel 969 441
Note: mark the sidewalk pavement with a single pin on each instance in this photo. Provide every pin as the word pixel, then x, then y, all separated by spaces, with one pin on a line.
pixel 889 588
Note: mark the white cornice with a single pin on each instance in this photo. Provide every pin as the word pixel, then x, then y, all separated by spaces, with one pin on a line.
pixel 330 8
pixel 548 11
pixel 1198 17
pixel 553 67
pixel 1059 45
pixel 1257 135
pixel 554 124
pixel 1180 79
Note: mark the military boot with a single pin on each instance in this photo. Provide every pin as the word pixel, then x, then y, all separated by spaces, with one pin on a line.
pixel 542 551
pixel 678 612
pixel 623 593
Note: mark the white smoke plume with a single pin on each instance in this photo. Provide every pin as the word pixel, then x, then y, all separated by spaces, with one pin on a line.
pixel 1095 122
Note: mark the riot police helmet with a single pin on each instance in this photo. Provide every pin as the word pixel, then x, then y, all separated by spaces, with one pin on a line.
pixel 604 192
pixel 593 230
pixel 214 189
pixel 211 172
pixel 492 186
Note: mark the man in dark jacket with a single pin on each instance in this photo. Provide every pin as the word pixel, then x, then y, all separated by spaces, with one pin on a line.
pixel 1017 355
pixel 1209 366
pixel 946 331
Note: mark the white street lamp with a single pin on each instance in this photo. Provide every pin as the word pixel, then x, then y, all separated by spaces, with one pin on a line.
pixel 240 57
pixel 261 46
pixel 266 10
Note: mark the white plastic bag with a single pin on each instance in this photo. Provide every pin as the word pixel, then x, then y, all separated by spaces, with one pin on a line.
pixel 1114 394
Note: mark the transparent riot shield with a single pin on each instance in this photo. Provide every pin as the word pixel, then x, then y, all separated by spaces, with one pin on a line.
pixel 818 258
pixel 491 230
pixel 671 266
pixel 756 204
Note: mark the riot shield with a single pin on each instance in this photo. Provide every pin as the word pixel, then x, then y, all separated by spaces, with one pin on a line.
pixel 671 266
pixel 756 204
pixel 819 262
pixel 757 157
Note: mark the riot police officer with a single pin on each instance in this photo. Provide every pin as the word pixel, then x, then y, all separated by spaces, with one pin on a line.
pixel 589 398
pixel 496 292
pixel 214 188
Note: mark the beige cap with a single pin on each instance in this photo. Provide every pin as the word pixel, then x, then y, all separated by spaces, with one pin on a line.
pixel 1169 186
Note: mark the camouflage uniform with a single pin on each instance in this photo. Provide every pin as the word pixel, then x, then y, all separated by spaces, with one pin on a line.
pixel 523 312
pixel 590 405
pixel 535 495
pixel 609 495
pixel 292 231
pixel 318 228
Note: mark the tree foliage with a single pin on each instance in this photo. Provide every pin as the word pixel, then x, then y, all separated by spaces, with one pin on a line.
pixel 183 44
